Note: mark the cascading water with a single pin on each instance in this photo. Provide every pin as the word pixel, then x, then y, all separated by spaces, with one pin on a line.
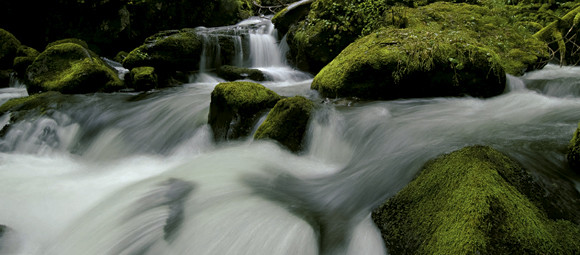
pixel 127 174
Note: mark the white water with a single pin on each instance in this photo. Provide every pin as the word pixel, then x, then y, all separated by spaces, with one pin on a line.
pixel 112 174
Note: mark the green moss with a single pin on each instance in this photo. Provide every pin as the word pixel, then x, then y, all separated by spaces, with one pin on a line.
pixel 242 94
pixel 70 68
pixel 8 49
pixel 492 28
pixel 466 203
pixel 143 78
pixel 235 107
pixel 287 122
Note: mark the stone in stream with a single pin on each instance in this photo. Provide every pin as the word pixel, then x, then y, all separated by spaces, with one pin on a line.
pixel 474 201
pixel 287 122
pixel 236 106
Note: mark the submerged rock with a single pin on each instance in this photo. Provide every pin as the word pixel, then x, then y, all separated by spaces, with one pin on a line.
pixel 143 78
pixel 287 122
pixel 405 63
pixel 70 68
pixel 176 50
pixel 236 106
pixel 233 73
pixel 473 201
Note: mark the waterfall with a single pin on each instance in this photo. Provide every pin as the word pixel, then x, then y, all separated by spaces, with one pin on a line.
pixel 251 43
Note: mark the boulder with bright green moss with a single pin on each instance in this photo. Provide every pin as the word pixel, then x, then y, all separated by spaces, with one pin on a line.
pixel 236 106
pixel 143 78
pixel 8 49
pixel 473 201
pixel 168 50
pixel 70 68
pixel 234 73
pixel 287 122
pixel 407 63
pixel 573 154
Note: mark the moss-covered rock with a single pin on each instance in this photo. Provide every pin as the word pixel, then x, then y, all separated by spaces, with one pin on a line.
pixel 287 122
pixel 233 73
pixel 235 107
pixel 71 68
pixel 8 49
pixel 143 78
pixel 472 201
pixel 404 63
pixel 573 155
pixel 168 50
pixel 25 57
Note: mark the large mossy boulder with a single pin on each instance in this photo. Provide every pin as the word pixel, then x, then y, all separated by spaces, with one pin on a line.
pixel 177 50
pixel 446 49
pixel 70 68
pixel 236 106
pixel 24 58
pixel 233 73
pixel 473 201
pixel 405 63
pixel 8 49
pixel 287 122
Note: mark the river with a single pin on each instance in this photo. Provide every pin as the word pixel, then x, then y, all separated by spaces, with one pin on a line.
pixel 125 173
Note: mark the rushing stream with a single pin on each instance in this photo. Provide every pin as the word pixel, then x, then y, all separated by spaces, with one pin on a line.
pixel 127 174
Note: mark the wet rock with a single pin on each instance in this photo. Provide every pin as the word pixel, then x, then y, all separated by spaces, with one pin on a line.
pixel 473 201
pixel 236 106
pixel 70 68
pixel 143 78
pixel 233 73
pixel 287 122
pixel 168 50
pixel 407 63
